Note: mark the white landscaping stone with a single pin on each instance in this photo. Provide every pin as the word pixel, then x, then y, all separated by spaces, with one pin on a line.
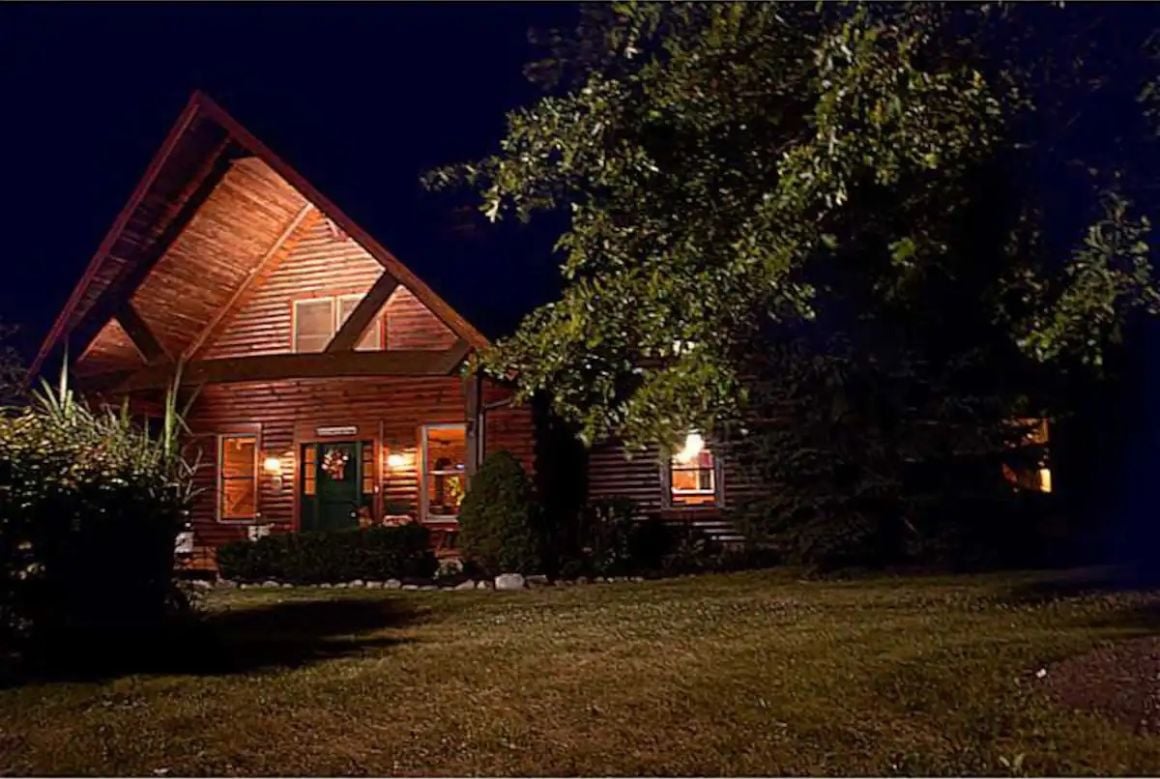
pixel 537 580
pixel 228 584
pixel 467 585
pixel 392 584
pixel 410 586
pixel 483 584
pixel 374 585
pixel 340 586
pixel 509 581
pixel 357 583
pixel 270 583
pixel 325 585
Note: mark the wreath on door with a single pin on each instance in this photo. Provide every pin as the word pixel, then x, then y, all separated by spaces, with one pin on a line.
pixel 334 463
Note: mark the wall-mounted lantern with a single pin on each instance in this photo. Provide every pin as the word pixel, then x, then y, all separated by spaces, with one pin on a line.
pixel 272 465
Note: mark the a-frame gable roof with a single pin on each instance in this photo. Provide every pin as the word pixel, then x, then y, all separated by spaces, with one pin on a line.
pixel 193 160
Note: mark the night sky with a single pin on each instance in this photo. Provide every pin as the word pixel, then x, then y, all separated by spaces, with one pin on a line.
pixel 361 99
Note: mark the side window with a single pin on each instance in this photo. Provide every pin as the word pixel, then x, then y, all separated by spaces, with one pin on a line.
pixel 237 477
pixel 692 475
pixel 313 324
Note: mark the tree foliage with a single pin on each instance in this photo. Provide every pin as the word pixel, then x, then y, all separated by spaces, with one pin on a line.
pixel 717 160
pixel 852 242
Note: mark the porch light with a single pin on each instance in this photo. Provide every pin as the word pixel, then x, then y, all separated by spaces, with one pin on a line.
pixel 273 466
pixel 396 460
pixel 694 443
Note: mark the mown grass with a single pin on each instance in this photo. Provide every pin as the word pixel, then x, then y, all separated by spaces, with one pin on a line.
pixel 754 673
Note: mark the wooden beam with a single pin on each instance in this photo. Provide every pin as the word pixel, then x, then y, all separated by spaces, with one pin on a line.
pixel 274 367
pixel 449 316
pixel 364 313
pixel 142 337
pixel 453 356
pixel 120 292
pixel 269 260
pixel 61 325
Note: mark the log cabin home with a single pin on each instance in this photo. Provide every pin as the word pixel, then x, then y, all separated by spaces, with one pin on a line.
pixel 326 377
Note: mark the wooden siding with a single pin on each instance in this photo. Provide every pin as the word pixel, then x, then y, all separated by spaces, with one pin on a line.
pixel 213 256
pixel 323 262
pixel 111 350
pixel 612 475
pixel 160 195
pixel 411 325
pixel 508 427
pixel 388 411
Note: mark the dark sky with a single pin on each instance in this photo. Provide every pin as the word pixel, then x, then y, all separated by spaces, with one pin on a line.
pixel 359 98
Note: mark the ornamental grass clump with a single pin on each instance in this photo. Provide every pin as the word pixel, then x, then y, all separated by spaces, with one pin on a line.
pixel 90 504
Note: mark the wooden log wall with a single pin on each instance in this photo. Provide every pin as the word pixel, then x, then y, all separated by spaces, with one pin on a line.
pixel 287 414
pixel 610 474
pixel 388 411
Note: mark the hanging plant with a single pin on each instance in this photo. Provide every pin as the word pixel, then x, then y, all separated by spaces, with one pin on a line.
pixel 334 463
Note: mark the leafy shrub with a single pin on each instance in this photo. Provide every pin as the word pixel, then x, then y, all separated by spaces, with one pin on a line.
pixel 331 556
pixel 607 530
pixel 90 505
pixel 499 518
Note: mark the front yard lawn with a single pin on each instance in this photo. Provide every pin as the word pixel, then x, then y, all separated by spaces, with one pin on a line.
pixel 753 673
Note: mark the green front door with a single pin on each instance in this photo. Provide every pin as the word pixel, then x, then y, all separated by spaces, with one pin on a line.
pixel 331 493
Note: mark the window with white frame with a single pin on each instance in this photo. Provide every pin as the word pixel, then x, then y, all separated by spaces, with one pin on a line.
pixel 444 474
pixel 317 320
pixel 692 475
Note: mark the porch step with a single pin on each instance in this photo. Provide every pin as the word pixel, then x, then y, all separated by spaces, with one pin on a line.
pixel 720 530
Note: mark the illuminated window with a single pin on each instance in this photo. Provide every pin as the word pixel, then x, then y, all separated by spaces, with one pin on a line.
pixel 318 319
pixel 237 477
pixel 444 477
pixel 693 474
pixel 1035 476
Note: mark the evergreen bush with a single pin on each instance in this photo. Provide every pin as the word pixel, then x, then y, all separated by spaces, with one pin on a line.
pixel 499 520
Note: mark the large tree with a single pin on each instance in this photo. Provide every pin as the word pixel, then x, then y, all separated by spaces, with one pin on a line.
pixel 878 220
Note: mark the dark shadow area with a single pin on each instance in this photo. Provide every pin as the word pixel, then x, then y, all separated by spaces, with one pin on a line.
pixel 1079 582
pixel 236 641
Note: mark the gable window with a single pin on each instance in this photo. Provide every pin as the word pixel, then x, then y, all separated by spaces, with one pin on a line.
pixel 692 475
pixel 238 477
pixel 318 319
pixel 444 477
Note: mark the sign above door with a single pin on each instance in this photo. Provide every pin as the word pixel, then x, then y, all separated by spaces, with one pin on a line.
pixel 327 432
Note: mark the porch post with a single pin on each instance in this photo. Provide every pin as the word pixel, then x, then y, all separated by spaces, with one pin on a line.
pixel 472 386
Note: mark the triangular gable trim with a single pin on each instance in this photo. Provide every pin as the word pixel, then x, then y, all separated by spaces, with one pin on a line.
pixel 201 104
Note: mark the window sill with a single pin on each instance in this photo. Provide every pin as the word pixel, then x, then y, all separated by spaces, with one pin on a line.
pixel 685 512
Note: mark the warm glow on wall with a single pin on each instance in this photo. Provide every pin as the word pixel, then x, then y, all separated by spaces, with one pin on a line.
pixel 694 443
pixel 396 460
pixel 273 466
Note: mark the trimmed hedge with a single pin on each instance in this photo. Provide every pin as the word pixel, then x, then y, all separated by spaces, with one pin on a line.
pixel 333 556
